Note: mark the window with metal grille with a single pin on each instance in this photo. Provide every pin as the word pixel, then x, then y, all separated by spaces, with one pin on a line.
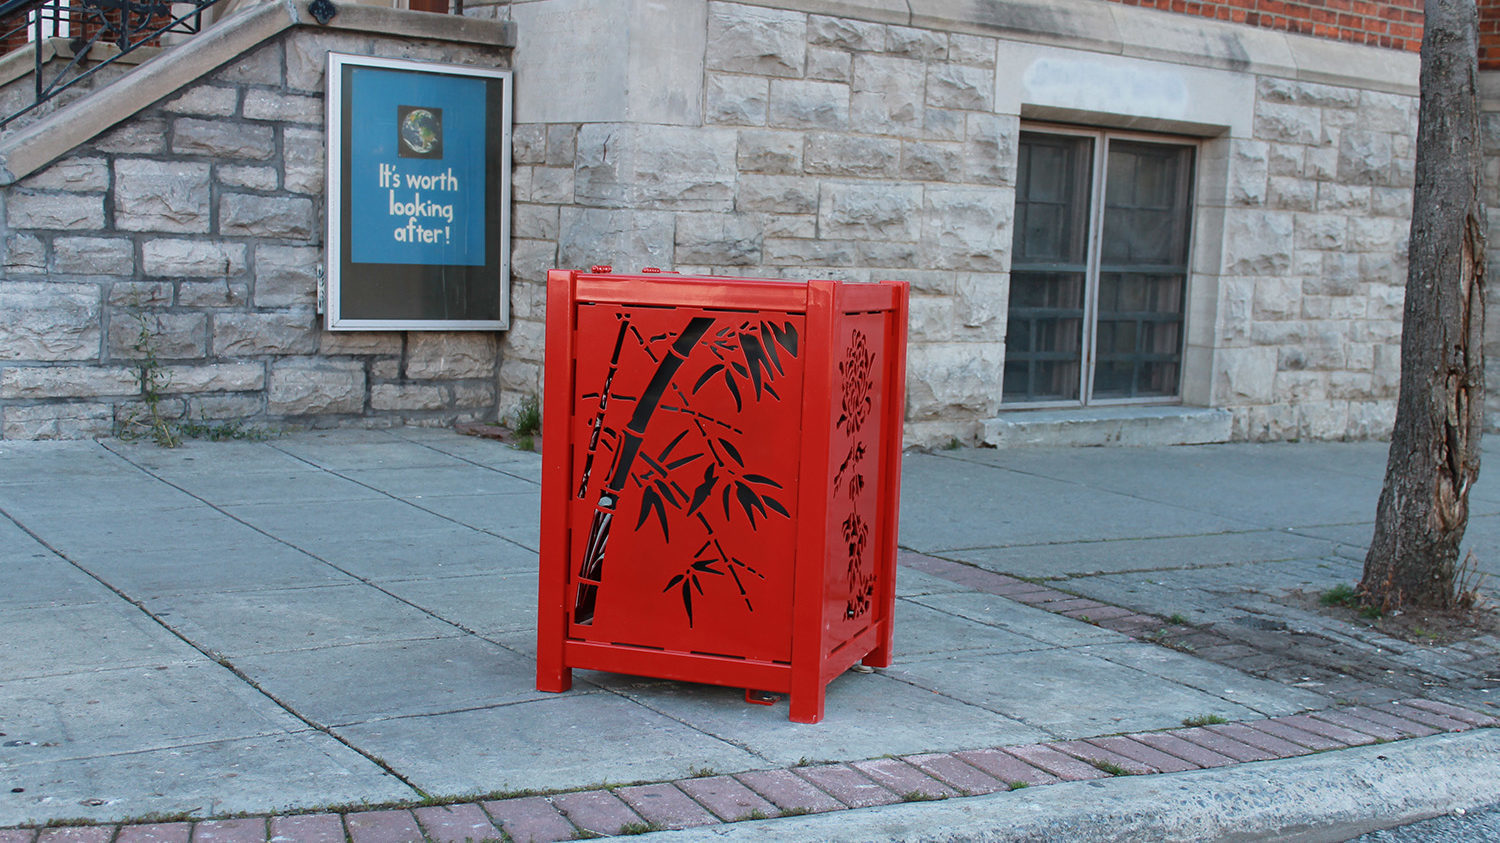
pixel 1099 269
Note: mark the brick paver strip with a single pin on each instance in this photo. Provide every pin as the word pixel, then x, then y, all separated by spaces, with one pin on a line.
pixel 848 785
pixel 1359 724
pixel 383 827
pixel 77 834
pixel 1005 767
pixel 899 777
pixel 1429 718
pixel 16 835
pixel 1291 733
pixel 155 833
pixel 308 828
pixel 598 811
pixel 456 824
pixel 1064 766
pixel 530 819
pixel 1148 755
pixel 957 773
pixel 251 830
pixel 789 791
pixel 1473 718
pixel 665 805
pixel 1104 613
pixel 1280 747
pixel 1089 752
pixel 727 798
pixel 1224 745
pixel 1408 728
pixel 1184 749
pixel 1345 736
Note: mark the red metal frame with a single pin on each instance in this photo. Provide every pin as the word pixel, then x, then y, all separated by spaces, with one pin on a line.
pixel 721 480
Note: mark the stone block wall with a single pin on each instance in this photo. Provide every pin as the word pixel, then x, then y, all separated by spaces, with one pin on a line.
pixel 194 231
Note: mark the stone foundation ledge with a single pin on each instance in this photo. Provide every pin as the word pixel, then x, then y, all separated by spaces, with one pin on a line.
pixel 1152 425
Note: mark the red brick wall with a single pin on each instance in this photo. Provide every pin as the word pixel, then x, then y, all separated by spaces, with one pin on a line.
pixel 1396 24
pixel 1489 34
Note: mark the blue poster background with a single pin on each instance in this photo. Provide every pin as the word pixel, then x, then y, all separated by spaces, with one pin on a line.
pixel 380 178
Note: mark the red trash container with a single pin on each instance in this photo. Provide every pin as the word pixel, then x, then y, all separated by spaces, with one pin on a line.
pixel 721 476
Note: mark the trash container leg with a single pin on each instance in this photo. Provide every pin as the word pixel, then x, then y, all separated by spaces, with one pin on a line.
pixel 556 680
pixel 808 691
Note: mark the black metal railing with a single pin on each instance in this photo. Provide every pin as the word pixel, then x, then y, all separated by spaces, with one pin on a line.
pixel 84 26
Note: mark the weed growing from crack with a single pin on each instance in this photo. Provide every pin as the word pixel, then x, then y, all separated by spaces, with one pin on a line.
pixel 1204 720
pixel 1109 767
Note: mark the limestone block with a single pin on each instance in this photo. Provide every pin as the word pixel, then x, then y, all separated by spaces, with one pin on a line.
pixel 967 228
pixel 1288 123
pixel 25 209
pixel 175 258
pixel 1347 385
pixel 470 395
pixel 982 302
pixel 300 387
pixel 1365 158
pixel 761 151
pixel 285 218
pixel 1276 89
pixel 1320 231
pixel 552 185
pixel 845 33
pixel 527 340
pixel 943 123
pixel 1371 419
pixel 971 49
pixel 750 39
pixel 1335 198
pixel 924 161
pixel 213 294
pixel 24 254
pixel 1359 356
pixel 736 100
pixel 1321 163
pixel 1236 305
pixel 74 420
pixel 852 155
pixel 930 319
pixel 990 148
pixel 1391 202
pixel 1377 234
pixel 272 332
pixel 1257 242
pixel 1248 173
pixel 385 369
pixel 258 67
pixel 888 95
pixel 533 222
pixel 67 381
pixel 49 321
pixel 307 55
pixel 93 256
pixel 933 281
pixel 286 276
pixel 520 376
pixel 719 240
pixel 664 167
pixel 1277 297
pixel 530 259
pixel 1384 112
pixel 528 144
pixel 170 336
pixel 359 342
pixel 1332 307
pixel 877 211
pixel 801 104
pixel 562 145
pixel 285 108
pixel 432 355
pixel 1244 376
pixel 960 87
pixel 216 377
pixel 1300 386
pixel 1284 160
pixel 168 196
pixel 140 136
pixel 137 294
pixel 829 65
pixel 205 101
pixel 923 44
pixel 883 253
pixel 1291 194
pixel 78 175
pixel 790 225
pixel 805 253
pixel 950 379
pixel 224 407
pixel 406 396
pixel 220 139
pixel 1385 304
pixel 302 160
pixel 1323 419
pixel 255 178
pixel 777 194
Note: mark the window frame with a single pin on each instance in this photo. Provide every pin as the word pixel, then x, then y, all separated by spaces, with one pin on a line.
pixel 1097 169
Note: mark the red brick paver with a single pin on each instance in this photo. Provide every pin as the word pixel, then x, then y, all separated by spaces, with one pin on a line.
pixel 899 777
pixel 956 773
pixel 308 828
pixel 155 833
pixel 1224 745
pixel 16 835
pixel 1090 752
pixel 530 819
pixel 1356 723
pixel 252 830
pixel 1151 757
pixel 1306 723
pixel 1184 749
pixel 1473 718
pixel 456 824
pixel 789 792
pixel 78 834
pixel 1425 716
pixel 1297 736
pixel 383 827
pixel 1064 766
pixel 727 798
pixel 848 785
pixel 598 811
pixel 665 805
pixel 1408 728
pixel 1005 767
pixel 1280 747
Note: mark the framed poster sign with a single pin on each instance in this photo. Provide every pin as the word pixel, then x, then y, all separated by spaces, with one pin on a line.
pixel 418 195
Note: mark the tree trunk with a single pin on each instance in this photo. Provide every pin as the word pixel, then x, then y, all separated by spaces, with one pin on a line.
pixel 1434 457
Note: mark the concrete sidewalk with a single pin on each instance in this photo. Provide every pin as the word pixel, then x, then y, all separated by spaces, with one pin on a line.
pixel 346 618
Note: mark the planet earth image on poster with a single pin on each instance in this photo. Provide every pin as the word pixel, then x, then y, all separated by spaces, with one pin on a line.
pixel 421 131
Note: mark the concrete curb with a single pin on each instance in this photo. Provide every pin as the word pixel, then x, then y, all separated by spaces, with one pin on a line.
pixel 1330 796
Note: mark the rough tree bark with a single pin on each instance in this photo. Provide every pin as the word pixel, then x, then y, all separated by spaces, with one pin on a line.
pixel 1434 457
